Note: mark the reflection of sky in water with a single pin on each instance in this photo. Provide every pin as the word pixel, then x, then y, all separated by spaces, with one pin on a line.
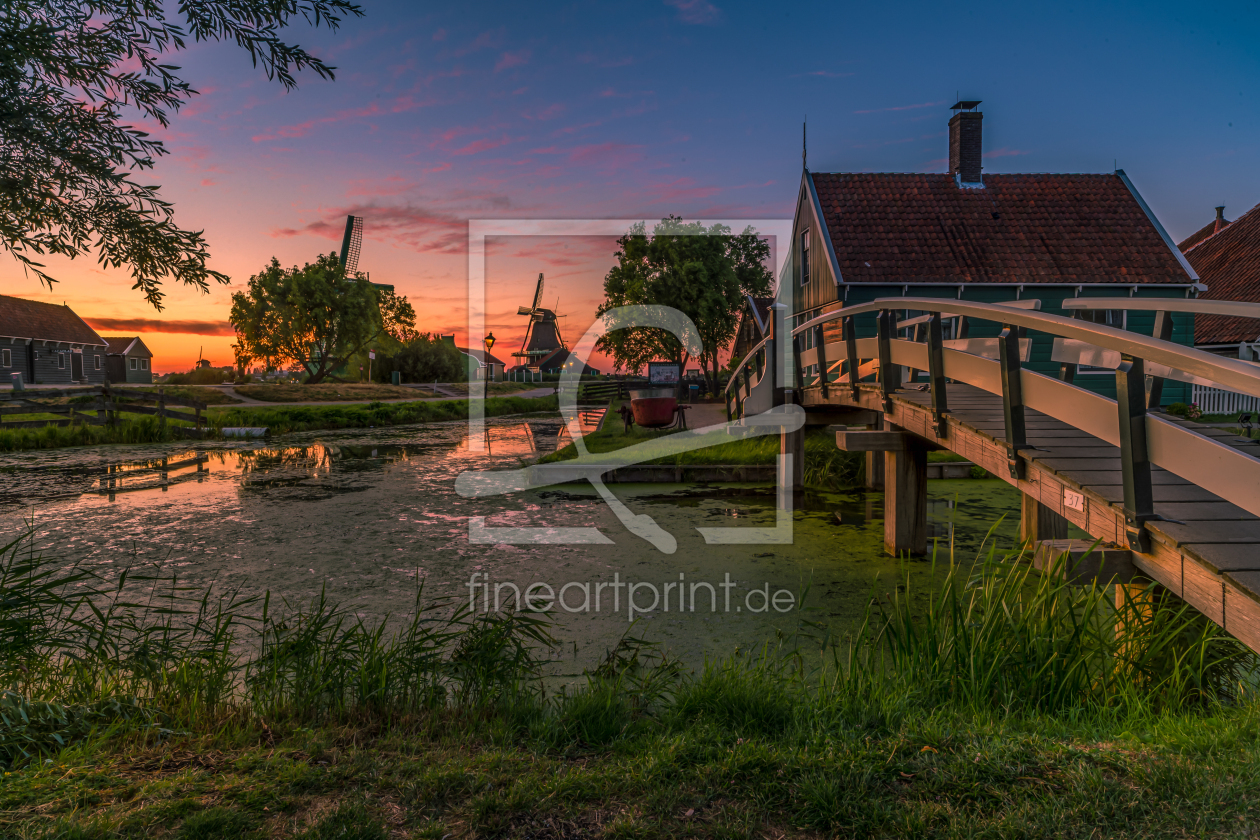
pixel 367 511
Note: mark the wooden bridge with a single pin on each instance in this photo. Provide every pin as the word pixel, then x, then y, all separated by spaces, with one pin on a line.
pixel 1180 498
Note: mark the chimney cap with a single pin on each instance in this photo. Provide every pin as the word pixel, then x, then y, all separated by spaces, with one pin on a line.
pixel 964 104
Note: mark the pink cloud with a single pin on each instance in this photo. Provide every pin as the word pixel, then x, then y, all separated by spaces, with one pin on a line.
pixel 206 182
pixel 698 12
pixel 439 168
pixel 440 35
pixel 302 129
pixel 1004 152
pixel 547 113
pixel 902 107
pixel 512 59
pixel 680 189
pixel 477 146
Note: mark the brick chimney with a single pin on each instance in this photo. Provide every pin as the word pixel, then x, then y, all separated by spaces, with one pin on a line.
pixel 1220 219
pixel 964 142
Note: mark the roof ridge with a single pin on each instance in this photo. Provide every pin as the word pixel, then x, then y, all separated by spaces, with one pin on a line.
pixel 1217 233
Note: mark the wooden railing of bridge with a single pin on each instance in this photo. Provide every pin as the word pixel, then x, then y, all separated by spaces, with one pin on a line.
pixel 1105 465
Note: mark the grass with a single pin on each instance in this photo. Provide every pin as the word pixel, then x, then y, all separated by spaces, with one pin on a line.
pixel 209 396
pixel 135 428
pixel 283 419
pixel 496 389
pixel 330 392
pixel 1005 707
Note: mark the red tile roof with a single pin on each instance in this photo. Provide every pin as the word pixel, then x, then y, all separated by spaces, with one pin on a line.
pixel 1203 233
pixel 1229 264
pixel 21 318
pixel 917 228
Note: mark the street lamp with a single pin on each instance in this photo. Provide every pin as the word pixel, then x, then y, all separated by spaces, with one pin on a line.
pixel 489 365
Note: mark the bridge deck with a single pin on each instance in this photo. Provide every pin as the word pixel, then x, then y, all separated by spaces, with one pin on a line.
pixel 1207 550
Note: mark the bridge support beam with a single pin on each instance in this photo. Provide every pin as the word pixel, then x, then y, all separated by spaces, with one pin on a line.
pixel 905 501
pixel 1038 522
pixel 792 444
pixel 875 459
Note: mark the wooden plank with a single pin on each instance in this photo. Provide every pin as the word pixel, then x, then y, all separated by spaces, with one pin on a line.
pixel 152 396
pixel 1214 511
pixel 867 440
pixel 1242 612
pixel 1091 478
pixel 1114 493
pixel 1224 557
pixel 1209 532
pixel 905 502
pixel 48 393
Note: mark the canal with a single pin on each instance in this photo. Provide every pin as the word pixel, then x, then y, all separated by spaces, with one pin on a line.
pixel 371 513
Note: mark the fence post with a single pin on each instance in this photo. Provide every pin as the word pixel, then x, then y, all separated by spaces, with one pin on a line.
pixel 162 410
pixel 936 372
pixel 1135 463
pixel 1012 400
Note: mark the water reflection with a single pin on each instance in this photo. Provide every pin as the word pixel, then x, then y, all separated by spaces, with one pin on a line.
pixel 370 512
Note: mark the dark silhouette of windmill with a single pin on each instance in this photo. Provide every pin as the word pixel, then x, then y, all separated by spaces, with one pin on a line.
pixel 542 336
pixel 351 244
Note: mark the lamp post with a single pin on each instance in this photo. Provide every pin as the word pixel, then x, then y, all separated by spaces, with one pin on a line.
pixel 489 365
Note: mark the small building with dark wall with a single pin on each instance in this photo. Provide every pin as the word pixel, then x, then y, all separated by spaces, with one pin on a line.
pixel 128 361
pixel 1227 257
pixel 48 344
pixel 967 235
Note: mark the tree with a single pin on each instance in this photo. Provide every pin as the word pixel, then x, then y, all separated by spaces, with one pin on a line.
pixel 705 273
pixel 69 70
pixel 315 316
pixel 427 358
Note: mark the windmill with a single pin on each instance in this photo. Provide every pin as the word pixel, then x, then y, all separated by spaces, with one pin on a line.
pixel 351 244
pixel 542 336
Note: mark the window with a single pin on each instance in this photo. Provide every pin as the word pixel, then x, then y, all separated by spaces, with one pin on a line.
pixel 804 257
pixel 61 361
pixel 144 364
pixel 6 357
pixel 133 363
pixel 96 361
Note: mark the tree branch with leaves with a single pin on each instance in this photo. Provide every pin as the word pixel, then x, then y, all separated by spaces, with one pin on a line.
pixel 71 73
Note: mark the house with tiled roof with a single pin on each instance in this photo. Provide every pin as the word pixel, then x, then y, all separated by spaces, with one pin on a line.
pixel 968 235
pixel 1210 229
pixel 1228 262
pixel 128 360
pixel 48 344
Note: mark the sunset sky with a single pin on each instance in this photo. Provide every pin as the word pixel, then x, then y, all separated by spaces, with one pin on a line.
pixel 445 113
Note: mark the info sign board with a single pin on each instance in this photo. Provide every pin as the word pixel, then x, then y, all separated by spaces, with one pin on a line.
pixel 662 373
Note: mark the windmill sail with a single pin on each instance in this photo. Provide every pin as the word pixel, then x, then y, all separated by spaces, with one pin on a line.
pixel 542 334
pixel 351 244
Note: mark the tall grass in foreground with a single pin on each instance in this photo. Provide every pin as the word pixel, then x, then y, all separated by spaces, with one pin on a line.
pixel 80 654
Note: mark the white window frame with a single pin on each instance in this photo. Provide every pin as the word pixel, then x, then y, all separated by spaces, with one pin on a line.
pixel 61 360
pixel 96 362
pixel 6 357
pixel 805 266
pixel 144 364
pixel 133 364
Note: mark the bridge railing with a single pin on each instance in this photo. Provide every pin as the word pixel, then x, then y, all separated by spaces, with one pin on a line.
pixel 1144 439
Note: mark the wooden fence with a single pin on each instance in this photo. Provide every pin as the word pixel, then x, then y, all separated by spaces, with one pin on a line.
pixel 1220 401
pixel 109 402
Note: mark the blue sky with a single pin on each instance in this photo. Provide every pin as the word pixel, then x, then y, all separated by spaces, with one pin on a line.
pixel 441 113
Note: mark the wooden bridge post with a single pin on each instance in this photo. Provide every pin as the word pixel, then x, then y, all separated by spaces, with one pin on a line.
pixel 905 501
pixel 889 374
pixel 875 461
pixel 850 349
pixel 1038 523
pixel 936 373
pixel 1135 462
pixel 821 343
pixel 1012 400
pixel 1155 384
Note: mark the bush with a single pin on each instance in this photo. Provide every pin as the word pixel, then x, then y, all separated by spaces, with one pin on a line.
pixel 200 376
pixel 426 359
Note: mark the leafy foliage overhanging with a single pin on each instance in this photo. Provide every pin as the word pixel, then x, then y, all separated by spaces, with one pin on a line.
pixel 69 71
